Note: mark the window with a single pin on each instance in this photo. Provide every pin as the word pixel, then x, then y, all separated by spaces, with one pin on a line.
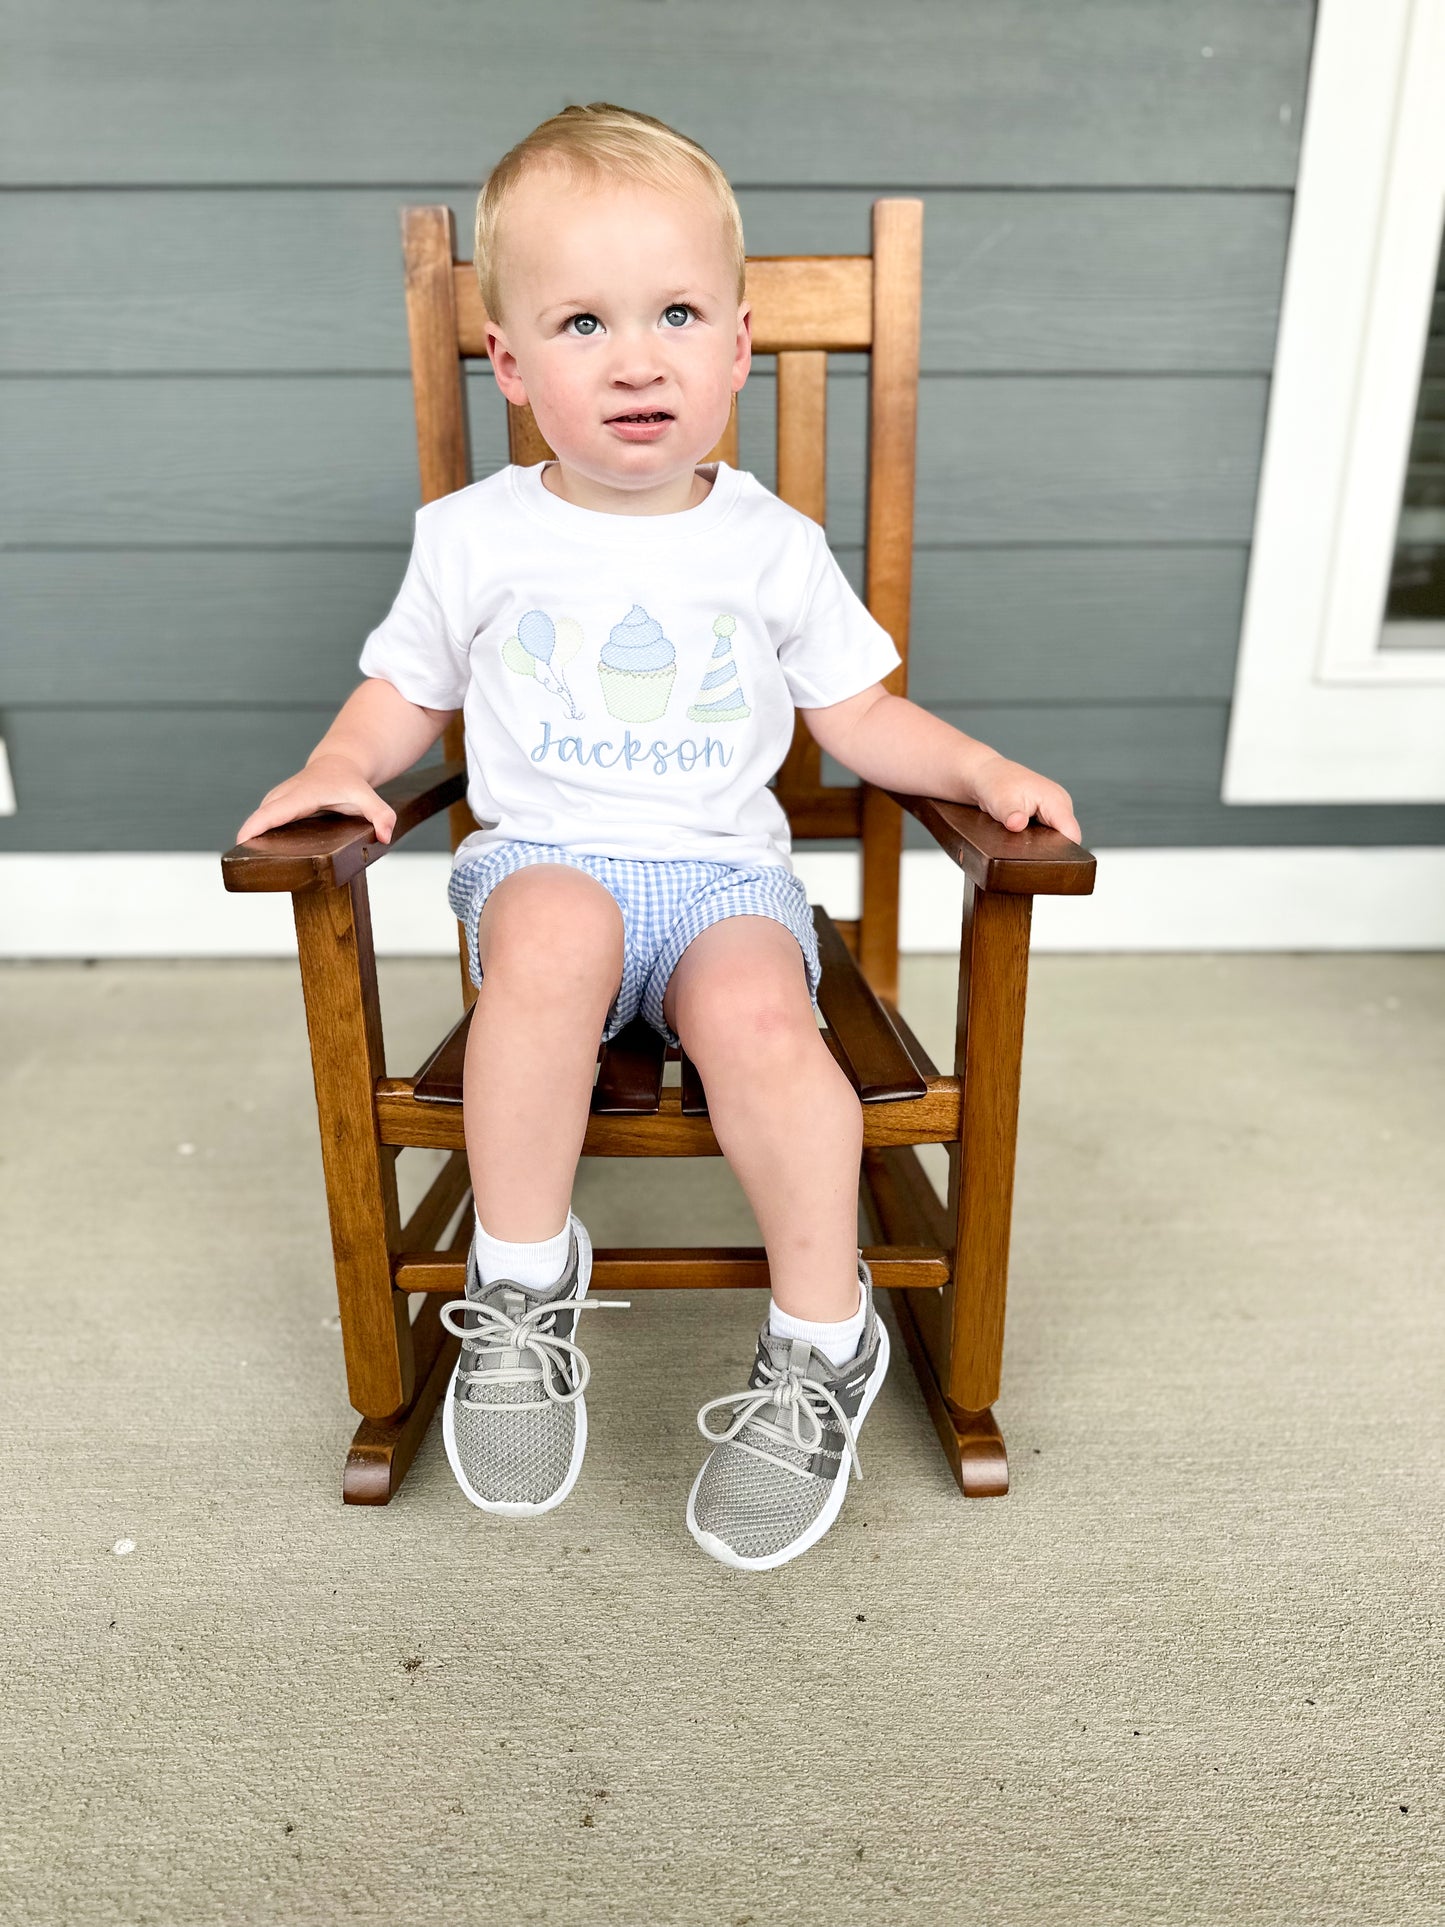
pixel 1338 696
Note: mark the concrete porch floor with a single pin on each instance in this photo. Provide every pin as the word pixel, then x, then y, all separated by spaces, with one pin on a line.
pixel 1189 1671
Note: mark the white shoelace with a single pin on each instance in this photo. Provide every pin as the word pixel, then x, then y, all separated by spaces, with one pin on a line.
pixel 792 1392
pixel 522 1335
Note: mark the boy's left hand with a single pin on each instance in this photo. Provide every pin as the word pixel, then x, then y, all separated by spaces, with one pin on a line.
pixel 1012 794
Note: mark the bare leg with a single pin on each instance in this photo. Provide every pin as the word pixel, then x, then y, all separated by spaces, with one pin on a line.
pixel 550 944
pixel 787 1118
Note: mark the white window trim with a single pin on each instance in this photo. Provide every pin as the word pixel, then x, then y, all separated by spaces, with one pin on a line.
pixel 1322 712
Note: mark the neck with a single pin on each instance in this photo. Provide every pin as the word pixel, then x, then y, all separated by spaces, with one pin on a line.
pixel 685 493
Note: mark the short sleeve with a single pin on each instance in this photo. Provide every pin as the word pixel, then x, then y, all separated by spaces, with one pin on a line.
pixel 413 647
pixel 837 648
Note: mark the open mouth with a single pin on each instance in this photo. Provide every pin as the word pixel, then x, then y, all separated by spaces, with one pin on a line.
pixel 657 415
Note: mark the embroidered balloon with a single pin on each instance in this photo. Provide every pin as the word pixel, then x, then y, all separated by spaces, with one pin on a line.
pixel 540 647
pixel 537 634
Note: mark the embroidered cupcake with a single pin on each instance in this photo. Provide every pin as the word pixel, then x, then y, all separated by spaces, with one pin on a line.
pixel 637 668
pixel 720 695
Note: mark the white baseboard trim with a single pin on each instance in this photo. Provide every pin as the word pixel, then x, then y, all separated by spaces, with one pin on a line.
pixel 157 905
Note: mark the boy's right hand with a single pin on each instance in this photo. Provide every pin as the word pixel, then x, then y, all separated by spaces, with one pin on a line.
pixel 326 783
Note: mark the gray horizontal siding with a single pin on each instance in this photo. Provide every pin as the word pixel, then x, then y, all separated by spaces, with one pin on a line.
pixel 308 281
pixel 1117 93
pixel 1141 774
pixel 276 461
pixel 207 457
pixel 222 627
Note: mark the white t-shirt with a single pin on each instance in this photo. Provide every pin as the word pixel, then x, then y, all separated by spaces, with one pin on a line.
pixel 627 682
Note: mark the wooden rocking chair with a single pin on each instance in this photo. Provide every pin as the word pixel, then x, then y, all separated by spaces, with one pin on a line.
pixel 947 1265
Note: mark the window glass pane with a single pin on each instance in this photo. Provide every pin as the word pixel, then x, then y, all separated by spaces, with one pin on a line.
pixel 1417 572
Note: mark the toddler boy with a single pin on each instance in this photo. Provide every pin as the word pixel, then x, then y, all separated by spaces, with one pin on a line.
pixel 628 631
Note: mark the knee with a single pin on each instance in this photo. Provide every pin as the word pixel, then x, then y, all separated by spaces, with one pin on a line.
pixel 555 938
pixel 747 1020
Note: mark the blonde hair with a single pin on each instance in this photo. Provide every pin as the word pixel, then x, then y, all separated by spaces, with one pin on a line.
pixel 597 143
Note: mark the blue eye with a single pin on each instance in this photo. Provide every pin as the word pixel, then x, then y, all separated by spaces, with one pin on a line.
pixel 588 325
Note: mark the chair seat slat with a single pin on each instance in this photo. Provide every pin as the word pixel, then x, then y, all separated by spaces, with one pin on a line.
pixel 694 1097
pixel 629 1079
pixel 922 1062
pixel 873 1053
pixel 629 1082
pixel 669 1132
pixel 860 1033
pixel 439 1081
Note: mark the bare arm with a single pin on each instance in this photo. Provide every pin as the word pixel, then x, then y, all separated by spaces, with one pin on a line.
pixel 894 743
pixel 376 736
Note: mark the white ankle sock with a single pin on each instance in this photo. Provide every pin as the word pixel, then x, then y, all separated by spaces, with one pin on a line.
pixel 837 1340
pixel 539 1264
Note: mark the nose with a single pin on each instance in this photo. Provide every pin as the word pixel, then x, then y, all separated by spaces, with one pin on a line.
pixel 637 361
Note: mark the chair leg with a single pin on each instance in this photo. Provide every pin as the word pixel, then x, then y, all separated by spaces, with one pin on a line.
pixel 987 1058
pixel 343 1019
pixel 955 1336
pixel 383 1449
pixel 971 1441
pixel 903 1208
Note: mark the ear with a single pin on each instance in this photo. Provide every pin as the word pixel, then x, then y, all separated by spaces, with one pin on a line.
pixel 743 358
pixel 504 366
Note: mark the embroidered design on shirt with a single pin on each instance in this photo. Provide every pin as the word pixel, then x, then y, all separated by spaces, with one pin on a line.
pixel 637 668
pixel 728 705
pixel 540 648
pixel 634 752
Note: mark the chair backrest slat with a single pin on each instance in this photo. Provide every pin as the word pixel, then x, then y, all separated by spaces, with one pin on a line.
pixel 805 307
pixel 893 419
pixel 799 301
pixel 438 382
pixel 439 395
pixel 888 565
pixel 803 430
pixel 803 485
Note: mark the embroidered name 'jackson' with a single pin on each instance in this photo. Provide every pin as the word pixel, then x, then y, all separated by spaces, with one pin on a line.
pixel 682 755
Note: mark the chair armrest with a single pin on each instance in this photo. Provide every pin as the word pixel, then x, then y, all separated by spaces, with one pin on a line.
pixel 321 852
pixel 1036 862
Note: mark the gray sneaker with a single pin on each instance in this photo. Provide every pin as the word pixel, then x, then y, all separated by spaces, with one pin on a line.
pixel 515 1422
pixel 779 1474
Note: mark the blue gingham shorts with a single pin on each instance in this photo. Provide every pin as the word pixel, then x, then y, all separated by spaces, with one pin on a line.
pixel 664 905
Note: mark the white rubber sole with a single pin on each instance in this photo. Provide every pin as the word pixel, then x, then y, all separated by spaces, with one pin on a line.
pixel 523 1508
pixel 832 1505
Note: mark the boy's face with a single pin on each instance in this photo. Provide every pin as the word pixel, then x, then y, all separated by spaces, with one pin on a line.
pixel 619 300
